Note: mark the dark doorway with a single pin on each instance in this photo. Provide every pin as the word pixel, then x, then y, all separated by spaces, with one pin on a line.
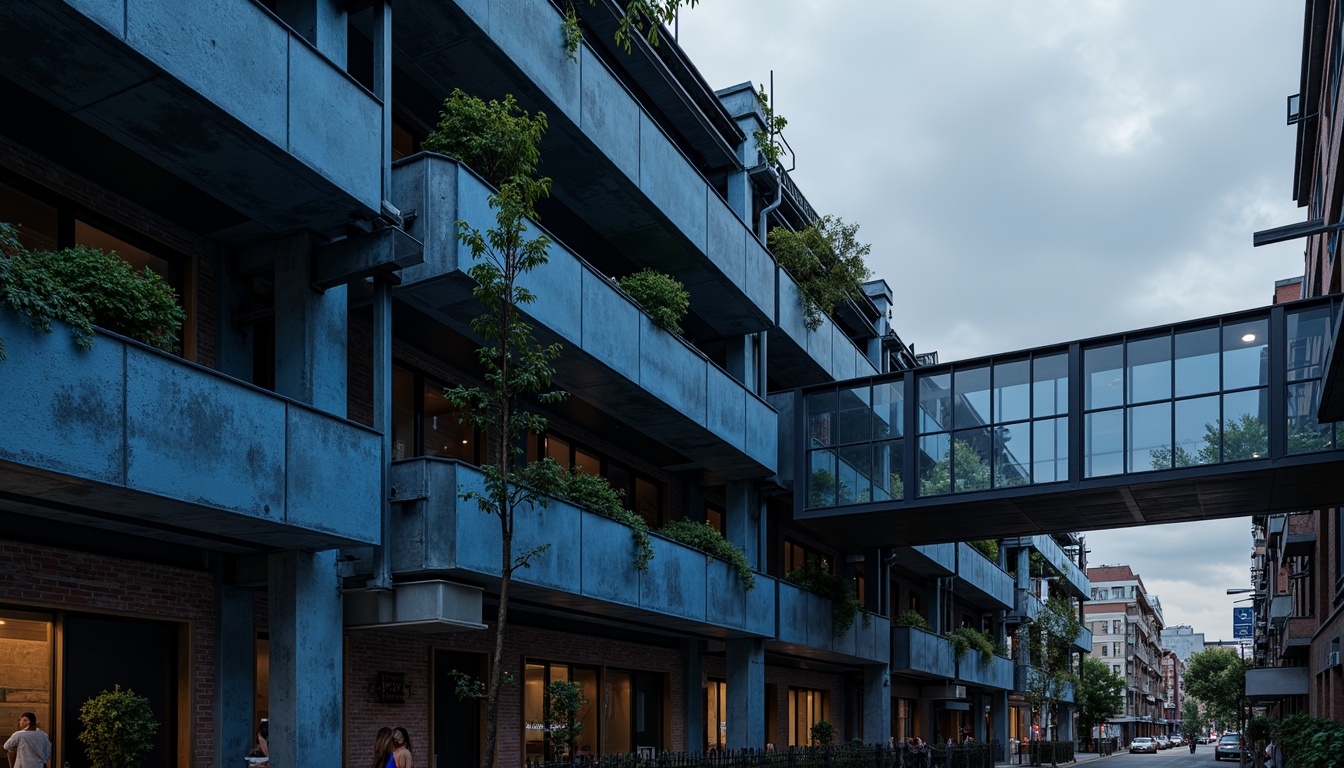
pixel 101 652
pixel 457 722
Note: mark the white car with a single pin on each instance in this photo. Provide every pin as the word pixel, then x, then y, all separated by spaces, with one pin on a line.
pixel 1143 744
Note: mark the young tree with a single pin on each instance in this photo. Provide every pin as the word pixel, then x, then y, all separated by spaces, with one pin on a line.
pixel 1191 721
pixel 1099 696
pixel 1217 677
pixel 827 260
pixel 1050 641
pixel 516 367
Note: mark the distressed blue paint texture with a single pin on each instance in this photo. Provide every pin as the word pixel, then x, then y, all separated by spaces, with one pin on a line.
pixel 614 355
pixel 589 557
pixel 127 416
pixel 914 650
pixel 940 556
pixel 988 580
pixel 278 131
pixel 805 619
pixel 996 673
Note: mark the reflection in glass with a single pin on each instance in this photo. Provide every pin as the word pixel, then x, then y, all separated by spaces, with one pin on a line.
pixel 1103 444
pixel 1197 362
pixel 856 415
pixel 854 471
pixel 889 409
pixel 971 460
pixel 1197 433
pixel 1012 451
pixel 888 470
pixel 821 418
pixel 1309 334
pixel 1244 433
pixel 1050 385
pixel 971 388
pixel 1148 435
pixel 1050 450
pixel 1245 358
pixel 821 479
pixel 1012 391
pixel 935 402
pixel 1101 377
pixel 1305 434
pixel 1148 369
pixel 935 464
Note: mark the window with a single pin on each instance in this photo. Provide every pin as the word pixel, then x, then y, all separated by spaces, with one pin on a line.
pixel 641 494
pixel 1116 668
pixel 424 423
pixel 1105 651
pixel 716 715
pixel 904 727
pixel 807 707
pixel 1115 649
pixel 1117 626
pixel 797 555
pixel 1117 593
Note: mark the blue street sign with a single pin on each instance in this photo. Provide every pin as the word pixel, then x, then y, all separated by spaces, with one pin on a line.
pixel 1242 620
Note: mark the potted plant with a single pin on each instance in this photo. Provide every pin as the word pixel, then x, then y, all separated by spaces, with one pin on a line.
pixel 119 728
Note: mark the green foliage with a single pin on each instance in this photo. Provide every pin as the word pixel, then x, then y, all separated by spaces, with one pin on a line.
pixel 1243 437
pixel 1311 742
pixel 1050 647
pixel 823 733
pixel 1191 722
pixel 1217 677
pixel 641 18
pixel 499 140
pixel 564 699
pixel 83 287
pixel 827 261
pixel 987 547
pixel 765 137
pixel 912 618
pixel 972 471
pixel 845 604
pixel 969 639
pixel 119 728
pixel 467 686
pixel 571 33
pixel 1259 729
pixel 705 538
pixel 595 493
pixel 1100 694
pixel 662 296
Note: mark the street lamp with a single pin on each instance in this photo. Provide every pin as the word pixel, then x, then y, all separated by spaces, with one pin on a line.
pixel 1240 590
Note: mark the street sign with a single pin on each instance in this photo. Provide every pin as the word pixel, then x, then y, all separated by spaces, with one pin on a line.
pixel 1242 621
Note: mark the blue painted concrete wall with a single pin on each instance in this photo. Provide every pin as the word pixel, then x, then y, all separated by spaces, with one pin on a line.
pixel 988 581
pixel 915 650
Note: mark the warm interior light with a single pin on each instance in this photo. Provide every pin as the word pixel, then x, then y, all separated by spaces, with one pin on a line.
pixel 1248 338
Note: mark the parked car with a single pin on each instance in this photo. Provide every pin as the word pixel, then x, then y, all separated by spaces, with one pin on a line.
pixel 1143 744
pixel 1229 746
pixel 1163 742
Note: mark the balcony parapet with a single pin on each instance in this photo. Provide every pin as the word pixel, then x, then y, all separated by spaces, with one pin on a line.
pixel 128 438
pixel 614 357
pixel 981 581
pixel 587 566
pixel 294 141
pixel 994 672
pixel 1025 676
pixel 921 652
pixel 929 560
pixel 805 629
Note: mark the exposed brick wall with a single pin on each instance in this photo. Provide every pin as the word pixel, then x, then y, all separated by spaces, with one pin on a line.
pixel 56 579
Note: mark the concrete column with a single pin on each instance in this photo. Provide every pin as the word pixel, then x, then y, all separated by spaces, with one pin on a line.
pixel 742 520
pixel 310 331
pixel 235 648
pixel 999 713
pixel 746 693
pixel 744 361
pixel 693 700
pixel 876 704
pixel 306 687
pixel 936 608
pixel 321 22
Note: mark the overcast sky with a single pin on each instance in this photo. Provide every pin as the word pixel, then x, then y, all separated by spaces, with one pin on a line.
pixel 1031 172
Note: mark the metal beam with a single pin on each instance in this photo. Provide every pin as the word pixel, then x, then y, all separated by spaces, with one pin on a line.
pixel 360 256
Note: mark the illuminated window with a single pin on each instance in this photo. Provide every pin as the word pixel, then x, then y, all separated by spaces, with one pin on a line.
pixel 807 707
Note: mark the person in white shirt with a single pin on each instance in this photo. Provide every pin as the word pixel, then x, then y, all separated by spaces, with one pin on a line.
pixel 28 747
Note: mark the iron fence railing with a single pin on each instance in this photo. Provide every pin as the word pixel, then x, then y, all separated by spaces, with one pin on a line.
pixel 972 755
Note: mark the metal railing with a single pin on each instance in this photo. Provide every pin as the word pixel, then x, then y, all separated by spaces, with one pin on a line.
pixel 972 755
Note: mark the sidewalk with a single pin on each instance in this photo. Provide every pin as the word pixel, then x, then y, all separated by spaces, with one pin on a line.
pixel 1082 757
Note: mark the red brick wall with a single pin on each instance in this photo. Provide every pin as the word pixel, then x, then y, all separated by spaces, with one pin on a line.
pixel 55 579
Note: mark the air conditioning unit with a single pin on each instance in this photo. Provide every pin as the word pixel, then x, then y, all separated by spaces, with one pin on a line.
pixel 1332 659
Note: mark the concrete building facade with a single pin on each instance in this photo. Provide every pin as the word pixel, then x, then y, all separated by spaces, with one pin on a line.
pixel 1126 624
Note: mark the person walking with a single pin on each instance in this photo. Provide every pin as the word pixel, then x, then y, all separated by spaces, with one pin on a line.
pixel 28 747
pixel 401 741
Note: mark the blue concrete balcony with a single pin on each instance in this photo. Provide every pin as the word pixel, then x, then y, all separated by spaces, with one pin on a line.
pixel 614 356
pixel 1074 577
pixel 1024 677
pixel 222 94
pixel 586 569
pixel 1083 642
pixel 811 356
pixel 915 651
pixel 929 560
pixel 994 672
pixel 617 169
pixel 980 581
pixel 129 439
pixel 805 629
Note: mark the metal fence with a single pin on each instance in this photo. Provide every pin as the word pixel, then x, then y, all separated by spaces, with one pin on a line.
pixel 973 755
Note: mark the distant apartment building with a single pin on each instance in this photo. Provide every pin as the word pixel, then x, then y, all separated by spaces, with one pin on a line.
pixel 1183 640
pixel 1126 624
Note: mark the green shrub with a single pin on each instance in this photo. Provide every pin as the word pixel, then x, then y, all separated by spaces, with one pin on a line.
pixel 498 140
pixel 594 493
pixel 987 547
pixel 844 603
pixel 912 618
pixel 83 287
pixel 965 639
pixel 705 538
pixel 662 296
pixel 823 733
pixel 118 730
pixel 1311 742
pixel 827 261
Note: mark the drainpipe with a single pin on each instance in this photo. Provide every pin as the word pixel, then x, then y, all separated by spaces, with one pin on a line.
pixel 769 209
pixel 382 298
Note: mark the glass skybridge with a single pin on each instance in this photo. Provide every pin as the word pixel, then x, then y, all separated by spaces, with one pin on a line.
pixel 1204 419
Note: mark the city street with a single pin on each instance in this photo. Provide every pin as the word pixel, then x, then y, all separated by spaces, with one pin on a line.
pixel 1177 757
